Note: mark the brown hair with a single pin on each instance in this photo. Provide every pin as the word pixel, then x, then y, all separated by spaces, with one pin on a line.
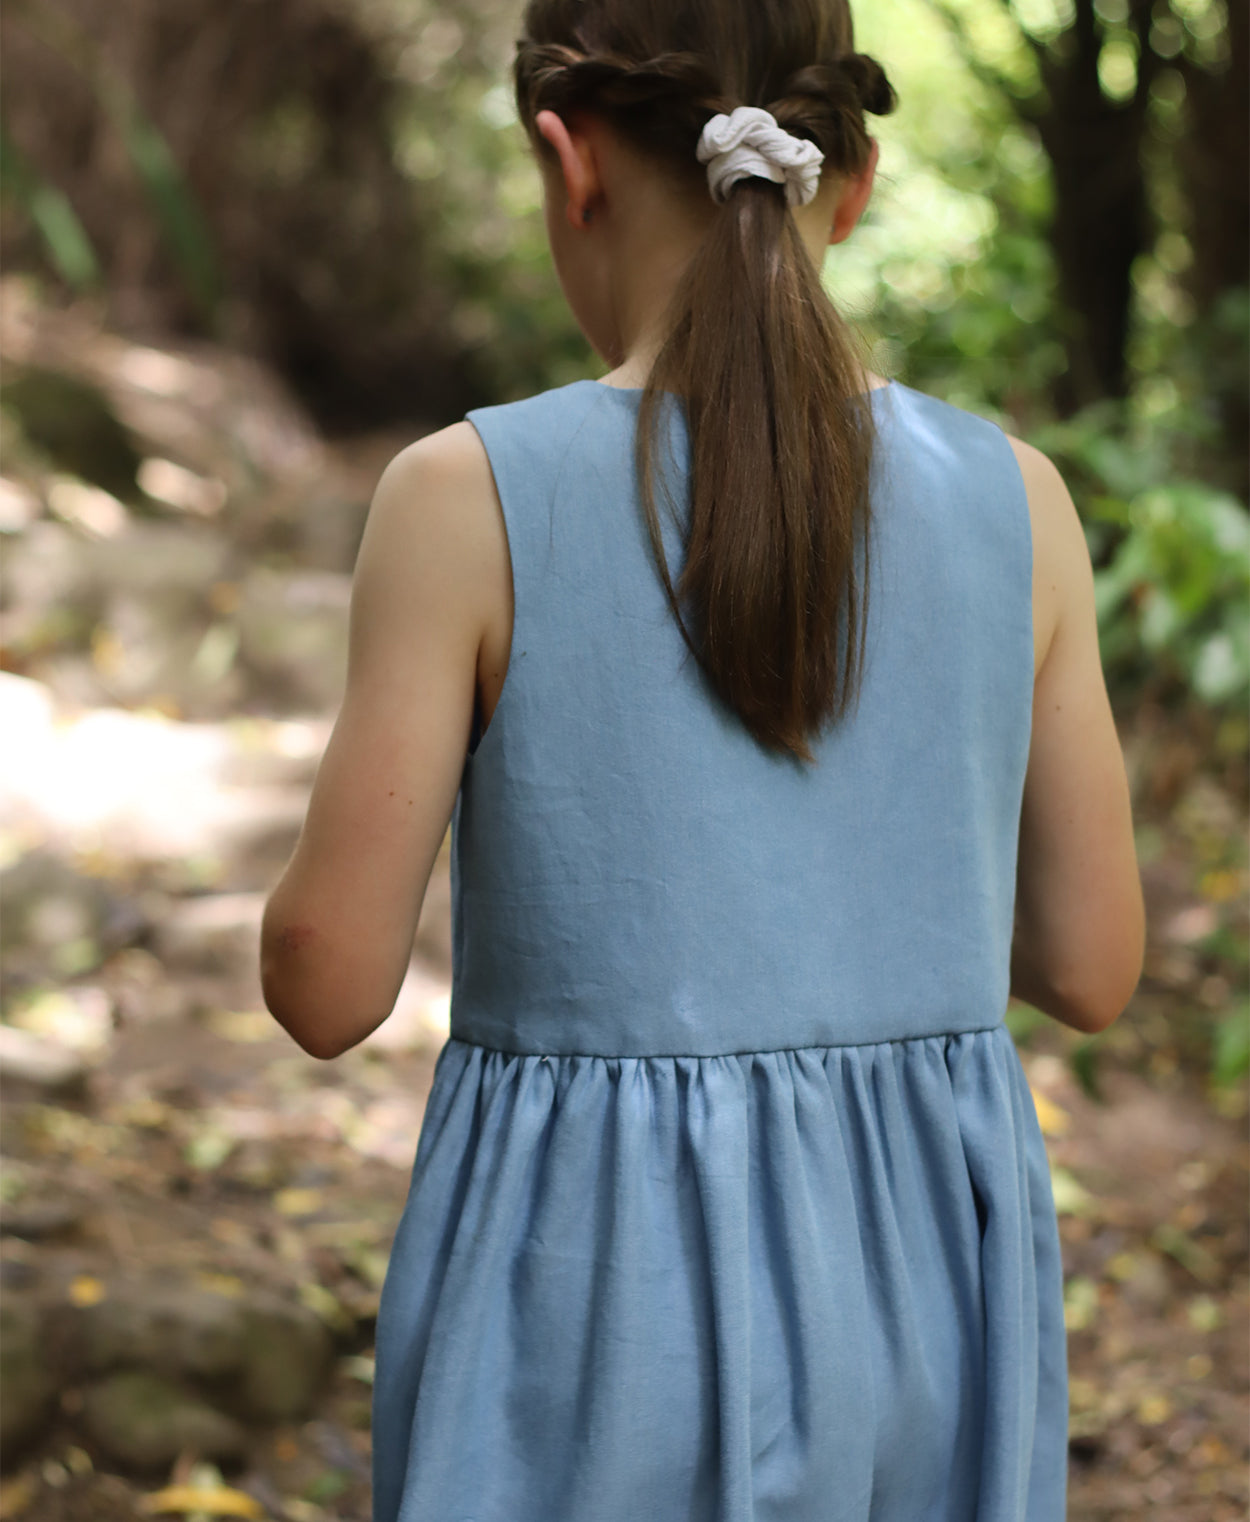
pixel 780 429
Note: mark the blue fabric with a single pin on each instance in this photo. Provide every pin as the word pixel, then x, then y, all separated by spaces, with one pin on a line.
pixel 730 1202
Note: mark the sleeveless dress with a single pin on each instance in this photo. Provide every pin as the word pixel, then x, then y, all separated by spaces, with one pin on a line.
pixel 730 1202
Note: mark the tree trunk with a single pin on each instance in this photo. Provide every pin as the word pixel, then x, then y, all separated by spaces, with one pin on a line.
pixel 1101 222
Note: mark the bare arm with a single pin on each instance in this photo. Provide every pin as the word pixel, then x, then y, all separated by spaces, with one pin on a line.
pixel 337 931
pixel 1080 919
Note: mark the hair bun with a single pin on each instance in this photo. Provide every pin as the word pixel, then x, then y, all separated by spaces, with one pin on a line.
pixel 875 92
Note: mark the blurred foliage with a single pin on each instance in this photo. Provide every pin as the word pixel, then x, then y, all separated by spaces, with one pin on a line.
pixel 1173 597
pixel 174 207
pixel 1231 1061
pixel 395 255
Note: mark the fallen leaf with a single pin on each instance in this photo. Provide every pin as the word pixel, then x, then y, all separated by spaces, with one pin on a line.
pixel 85 1291
pixel 219 1502
pixel 1204 1314
pixel 1080 1302
pixel 1220 886
pixel 208 1149
pixel 221 1284
pixel 242 1025
pixel 1053 1120
pixel 297 1201
pixel 1153 1408
pixel 323 1303
pixel 1191 1255
pixel 1071 1198
pixel 16 1495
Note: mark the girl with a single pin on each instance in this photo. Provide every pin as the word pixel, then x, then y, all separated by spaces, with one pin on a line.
pixel 764 697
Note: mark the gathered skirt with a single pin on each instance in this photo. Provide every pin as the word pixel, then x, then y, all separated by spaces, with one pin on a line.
pixel 817 1284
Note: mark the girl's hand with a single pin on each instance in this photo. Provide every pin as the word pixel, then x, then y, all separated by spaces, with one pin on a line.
pixel 1080 922
pixel 431 577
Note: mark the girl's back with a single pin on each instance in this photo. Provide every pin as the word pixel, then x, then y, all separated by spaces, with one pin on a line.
pixel 636 876
pixel 731 1202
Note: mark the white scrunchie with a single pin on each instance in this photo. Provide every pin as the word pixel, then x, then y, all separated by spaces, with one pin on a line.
pixel 749 142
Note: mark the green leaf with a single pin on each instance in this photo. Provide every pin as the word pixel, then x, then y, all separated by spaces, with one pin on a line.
pixel 328 1485
pixel 1071 1197
pixel 1231 1053
pixel 171 199
pixel 1083 1059
pixel 1080 1302
pixel 53 217
pixel 1220 668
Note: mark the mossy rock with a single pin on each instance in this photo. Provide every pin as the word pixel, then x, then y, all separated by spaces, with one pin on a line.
pixel 72 423
pixel 26 1388
pixel 143 1422
pixel 288 1354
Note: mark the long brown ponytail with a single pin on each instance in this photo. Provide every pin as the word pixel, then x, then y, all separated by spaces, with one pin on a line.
pixel 780 429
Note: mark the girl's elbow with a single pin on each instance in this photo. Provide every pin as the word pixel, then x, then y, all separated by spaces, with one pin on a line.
pixel 285 981
pixel 324 1012
pixel 1095 976
pixel 322 1049
pixel 1096 1001
pixel 310 1034
pixel 305 1033
pixel 1094 1012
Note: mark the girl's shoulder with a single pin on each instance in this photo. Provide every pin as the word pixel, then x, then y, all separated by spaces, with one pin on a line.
pixel 943 427
pixel 1062 571
pixel 977 449
pixel 446 485
pixel 551 415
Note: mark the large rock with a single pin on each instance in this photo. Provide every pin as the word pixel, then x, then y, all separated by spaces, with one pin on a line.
pixel 169 1330
pixel 27 1391
pixel 144 1421
pixel 73 422
pixel 259 1355
pixel 287 1358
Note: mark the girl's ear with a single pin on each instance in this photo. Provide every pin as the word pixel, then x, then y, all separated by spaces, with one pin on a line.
pixel 854 197
pixel 577 165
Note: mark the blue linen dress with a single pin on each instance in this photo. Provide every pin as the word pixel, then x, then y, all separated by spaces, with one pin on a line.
pixel 730 1202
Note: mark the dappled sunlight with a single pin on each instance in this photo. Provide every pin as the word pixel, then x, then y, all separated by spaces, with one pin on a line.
pixel 140 784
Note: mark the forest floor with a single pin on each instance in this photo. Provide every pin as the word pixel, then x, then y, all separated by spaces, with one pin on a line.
pixel 171 672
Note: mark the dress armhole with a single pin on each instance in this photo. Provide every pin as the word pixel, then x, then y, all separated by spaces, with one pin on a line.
pixel 528 457
pixel 493 436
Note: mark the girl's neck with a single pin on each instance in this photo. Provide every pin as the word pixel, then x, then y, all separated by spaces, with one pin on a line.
pixel 642 273
pixel 633 372
pixel 622 258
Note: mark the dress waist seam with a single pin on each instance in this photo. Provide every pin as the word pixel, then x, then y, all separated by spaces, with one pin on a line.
pixel 766 1051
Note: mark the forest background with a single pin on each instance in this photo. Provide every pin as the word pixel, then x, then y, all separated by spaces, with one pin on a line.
pixel 250 251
